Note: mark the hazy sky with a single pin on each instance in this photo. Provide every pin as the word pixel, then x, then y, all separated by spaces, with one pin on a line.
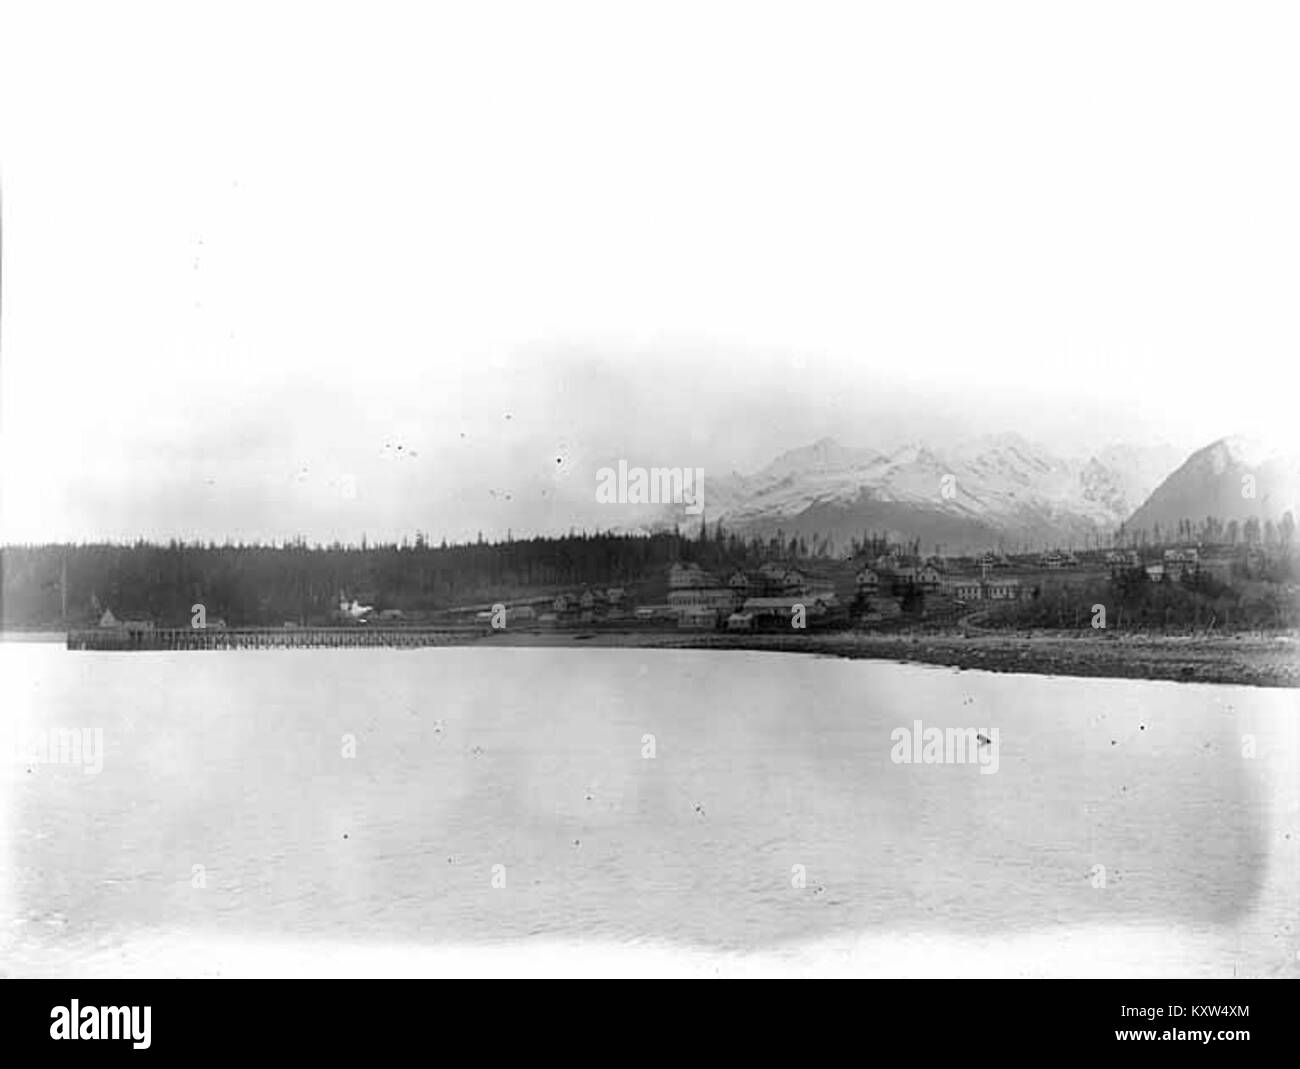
pixel 250 250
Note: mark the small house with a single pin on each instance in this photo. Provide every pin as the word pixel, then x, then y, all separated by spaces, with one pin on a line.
pixel 697 618
pixel 929 578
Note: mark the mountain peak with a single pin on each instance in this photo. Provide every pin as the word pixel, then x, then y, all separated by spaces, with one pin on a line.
pixel 824 455
pixel 1243 449
pixel 1213 482
pixel 1008 488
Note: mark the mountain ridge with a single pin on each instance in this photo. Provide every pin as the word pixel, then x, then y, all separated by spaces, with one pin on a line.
pixel 1236 477
pixel 971 494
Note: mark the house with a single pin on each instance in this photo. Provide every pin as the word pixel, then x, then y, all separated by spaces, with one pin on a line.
pixel 780 611
pixel 1053 560
pixel 929 578
pixel 868 582
pixel 776 580
pixel 819 588
pixel 697 618
pixel 685 576
pixel 1122 561
pixel 614 595
pixel 562 603
pixel 354 610
pixel 108 619
pixel 710 597
pixel 740 621
pixel 1155 572
pixel 1002 589
pixel 823 600
pixel 1181 562
pixel 881 609
pixel 964 588
pixel 739 582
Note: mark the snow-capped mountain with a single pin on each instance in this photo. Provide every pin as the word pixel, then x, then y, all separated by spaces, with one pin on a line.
pixel 977 493
pixel 1233 478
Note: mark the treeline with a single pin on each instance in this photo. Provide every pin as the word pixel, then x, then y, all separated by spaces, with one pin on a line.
pixel 59 586
pixel 1213 531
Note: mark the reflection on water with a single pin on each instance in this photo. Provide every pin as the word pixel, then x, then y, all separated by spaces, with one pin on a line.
pixel 505 795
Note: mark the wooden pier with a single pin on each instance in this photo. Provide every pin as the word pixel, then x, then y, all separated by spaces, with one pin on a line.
pixel 266 638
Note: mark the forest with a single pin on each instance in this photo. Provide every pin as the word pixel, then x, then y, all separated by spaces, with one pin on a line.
pixel 58 586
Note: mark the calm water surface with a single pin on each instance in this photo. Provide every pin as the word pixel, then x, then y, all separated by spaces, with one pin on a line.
pixel 535 760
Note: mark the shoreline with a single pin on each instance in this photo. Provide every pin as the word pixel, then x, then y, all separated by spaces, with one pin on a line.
pixel 1245 660
pixel 1237 659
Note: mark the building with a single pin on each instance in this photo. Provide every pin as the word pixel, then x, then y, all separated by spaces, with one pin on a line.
pixel 1002 589
pixel 965 588
pixel 697 618
pixel 929 578
pixel 109 620
pixel 740 621
pixel 1122 560
pixel 777 580
pixel 686 576
pixel 718 598
pixel 354 610
pixel 1181 562
pixel 878 610
pixel 868 582
pixel 780 611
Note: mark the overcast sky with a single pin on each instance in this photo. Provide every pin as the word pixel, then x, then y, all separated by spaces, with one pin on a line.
pixel 252 250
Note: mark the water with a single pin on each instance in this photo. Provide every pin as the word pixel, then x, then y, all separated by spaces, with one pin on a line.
pixel 1123 831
